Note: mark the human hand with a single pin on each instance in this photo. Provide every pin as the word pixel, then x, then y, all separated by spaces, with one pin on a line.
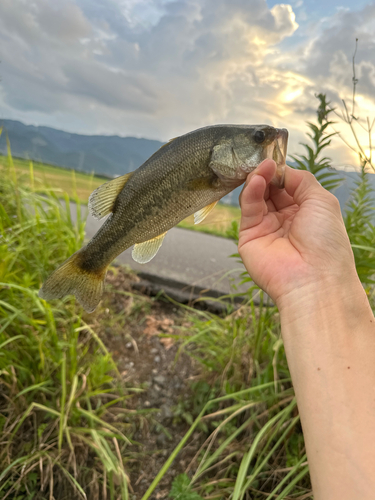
pixel 294 237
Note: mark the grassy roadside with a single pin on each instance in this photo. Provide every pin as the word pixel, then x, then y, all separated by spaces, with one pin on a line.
pixel 66 428
pixel 58 382
pixel 81 185
pixel 65 416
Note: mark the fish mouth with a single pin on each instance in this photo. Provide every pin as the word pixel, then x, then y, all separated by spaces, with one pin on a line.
pixel 278 147
pixel 277 151
pixel 282 142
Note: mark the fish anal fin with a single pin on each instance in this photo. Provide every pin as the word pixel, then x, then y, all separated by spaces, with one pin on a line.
pixel 102 200
pixel 203 212
pixel 144 252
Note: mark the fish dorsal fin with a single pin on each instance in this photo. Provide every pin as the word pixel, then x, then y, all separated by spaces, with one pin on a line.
pixel 101 200
pixel 144 252
pixel 203 212
pixel 167 143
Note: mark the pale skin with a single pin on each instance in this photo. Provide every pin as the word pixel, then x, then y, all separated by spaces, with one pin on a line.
pixel 294 245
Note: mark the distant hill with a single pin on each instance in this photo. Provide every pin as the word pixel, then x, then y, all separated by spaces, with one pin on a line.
pixel 106 155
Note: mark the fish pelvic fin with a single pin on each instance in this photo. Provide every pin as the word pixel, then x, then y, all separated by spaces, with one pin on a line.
pixel 203 212
pixel 144 252
pixel 102 200
pixel 71 279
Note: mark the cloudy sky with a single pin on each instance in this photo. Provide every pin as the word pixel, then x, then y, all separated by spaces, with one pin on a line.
pixel 160 68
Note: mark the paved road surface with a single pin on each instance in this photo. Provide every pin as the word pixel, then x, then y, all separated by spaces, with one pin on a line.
pixel 187 257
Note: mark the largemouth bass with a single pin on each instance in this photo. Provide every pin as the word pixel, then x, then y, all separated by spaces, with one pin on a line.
pixel 188 175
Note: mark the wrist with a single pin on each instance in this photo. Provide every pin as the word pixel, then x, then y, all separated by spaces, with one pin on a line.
pixel 328 299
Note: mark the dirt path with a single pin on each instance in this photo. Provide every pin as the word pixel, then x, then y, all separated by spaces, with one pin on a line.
pixel 148 362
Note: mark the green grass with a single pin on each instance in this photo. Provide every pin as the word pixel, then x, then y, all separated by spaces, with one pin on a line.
pixel 58 382
pixel 61 180
pixel 245 407
pixel 81 185
pixel 218 222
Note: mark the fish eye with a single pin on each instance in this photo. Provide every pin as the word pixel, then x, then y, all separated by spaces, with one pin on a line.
pixel 259 136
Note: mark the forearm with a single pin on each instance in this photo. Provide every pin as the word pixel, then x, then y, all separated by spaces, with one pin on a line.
pixel 329 338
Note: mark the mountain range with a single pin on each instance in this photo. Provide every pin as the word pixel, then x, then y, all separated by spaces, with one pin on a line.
pixel 106 155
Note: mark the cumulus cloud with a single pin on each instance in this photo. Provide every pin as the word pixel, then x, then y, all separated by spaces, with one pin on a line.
pixel 158 68
pixel 187 60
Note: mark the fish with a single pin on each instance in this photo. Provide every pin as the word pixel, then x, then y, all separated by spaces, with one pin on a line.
pixel 188 175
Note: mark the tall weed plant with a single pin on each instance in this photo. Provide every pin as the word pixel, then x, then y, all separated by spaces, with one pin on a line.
pixel 320 138
pixel 359 222
pixel 57 380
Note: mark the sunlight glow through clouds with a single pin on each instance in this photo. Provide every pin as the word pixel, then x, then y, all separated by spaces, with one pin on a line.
pixel 157 68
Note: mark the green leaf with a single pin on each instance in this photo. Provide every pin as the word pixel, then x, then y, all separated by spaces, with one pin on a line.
pixel 313 162
pixel 181 489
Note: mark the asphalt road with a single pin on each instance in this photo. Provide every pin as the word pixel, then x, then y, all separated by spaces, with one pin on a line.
pixel 189 258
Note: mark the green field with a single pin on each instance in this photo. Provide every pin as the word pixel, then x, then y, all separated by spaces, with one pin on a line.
pixel 60 179
pixel 218 222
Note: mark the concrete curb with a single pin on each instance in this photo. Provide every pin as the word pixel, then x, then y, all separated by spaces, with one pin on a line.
pixel 200 298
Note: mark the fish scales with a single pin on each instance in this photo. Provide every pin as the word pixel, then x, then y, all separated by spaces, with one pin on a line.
pixel 184 176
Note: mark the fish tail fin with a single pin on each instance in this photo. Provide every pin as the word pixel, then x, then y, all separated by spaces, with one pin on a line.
pixel 72 279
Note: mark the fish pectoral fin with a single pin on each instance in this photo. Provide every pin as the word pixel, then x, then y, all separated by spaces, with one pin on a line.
pixel 203 212
pixel 144 252
pixel 102 200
